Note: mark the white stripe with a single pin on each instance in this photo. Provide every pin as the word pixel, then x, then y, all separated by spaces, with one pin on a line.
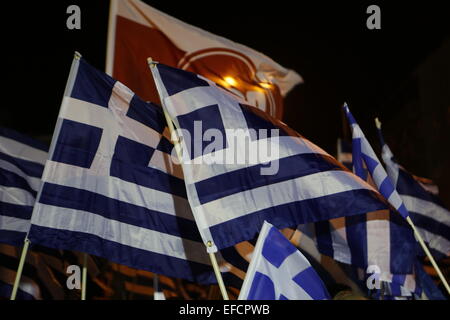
pixel 195 98
pixel 115 123
pixel 379 244
pixel 122 233
pixel 19 150
pixel 435 241
pixel 316 185
pixel 16 196
pixel 14 224
pixel 286 147
pixel 341 250
pixel 34 183
pixel 395 199
pixel 115 188
pixel 391 167
pixel 427 208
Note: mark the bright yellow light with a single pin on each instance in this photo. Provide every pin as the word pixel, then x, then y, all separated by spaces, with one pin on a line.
pixel 230 81
pixel 266 85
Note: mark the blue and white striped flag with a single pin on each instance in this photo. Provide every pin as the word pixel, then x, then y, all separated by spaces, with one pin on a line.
pixel 230 193
pixel 22 161
pixel 367 166
pixel 278 271
pixel 110 187
pixel 427 212
pixel 364 154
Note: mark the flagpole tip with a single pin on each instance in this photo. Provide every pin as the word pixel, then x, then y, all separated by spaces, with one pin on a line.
pixel 377 123
pixel 151 63
pixel 77 55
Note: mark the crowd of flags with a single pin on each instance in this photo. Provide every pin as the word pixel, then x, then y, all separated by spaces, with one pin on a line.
pixel 111 185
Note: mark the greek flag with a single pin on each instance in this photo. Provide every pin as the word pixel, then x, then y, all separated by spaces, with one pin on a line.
pixel 291 182
pixel 110 187
pixel 428 213
pixel 22 161
pixel 393 234
pixel 364 154
pixel 278 271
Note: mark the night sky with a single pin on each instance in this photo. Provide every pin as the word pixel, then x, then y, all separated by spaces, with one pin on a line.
pixel 327 43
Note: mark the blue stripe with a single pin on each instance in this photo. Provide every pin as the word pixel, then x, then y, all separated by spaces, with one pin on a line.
pixel 176 80
pixel 122 254
pixel 250 177
pixel 350 117
pixel 323 238
pixel 275 249
pixel 309 281
pixel 380 137
pixel 431 225
pixel 10 179
pixel 13 238
pixel 14 135
pixel 292 214
pixel 73 198
pixel 403 245
pixel 147 113
pixel 356 231
pixel 30 168
pixel 15 210
pixel 148 177
pixel 407 185
pixel 357 159
pixel 92 85
pixel 77 143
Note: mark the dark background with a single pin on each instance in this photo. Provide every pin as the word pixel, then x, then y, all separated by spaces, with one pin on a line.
pixel 400 73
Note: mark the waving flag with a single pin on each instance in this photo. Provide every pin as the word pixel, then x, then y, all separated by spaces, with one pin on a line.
pixel 110 187
pixel 138 31
pixel 231 195
pixel 366 164
pixel 22 161
pixel 364 154
pixel 278 271
pixel 430 216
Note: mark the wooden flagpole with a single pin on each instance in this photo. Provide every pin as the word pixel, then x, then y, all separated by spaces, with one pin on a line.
pixel 176 140
pixel 84 277
pixel 420 239
pixel 20 268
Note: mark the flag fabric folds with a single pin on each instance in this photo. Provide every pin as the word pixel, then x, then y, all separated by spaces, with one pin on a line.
pixel 231 199
pixel 364 154
pixel 427 212
pixel 367 166
pixel 278 271
pixel 138 31
pixel 110 187
pixel 39 280
pixel 22 161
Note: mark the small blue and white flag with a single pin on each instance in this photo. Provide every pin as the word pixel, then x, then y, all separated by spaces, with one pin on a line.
pixel 427 212
pixel 278 271
pixel 364 154
pixel 22 161
pixel 242 167
pixel 110 187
